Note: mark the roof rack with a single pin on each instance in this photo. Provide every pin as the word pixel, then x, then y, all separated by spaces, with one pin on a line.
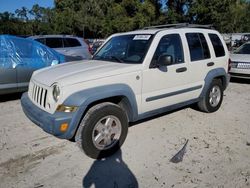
pixel 179 25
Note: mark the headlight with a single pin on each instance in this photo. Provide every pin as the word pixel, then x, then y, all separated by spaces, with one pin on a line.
pixel 56 92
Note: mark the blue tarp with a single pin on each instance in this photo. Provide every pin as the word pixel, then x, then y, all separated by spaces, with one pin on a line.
pixel 16 51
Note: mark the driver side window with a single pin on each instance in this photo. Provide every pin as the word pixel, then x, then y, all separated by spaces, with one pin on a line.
pixel 169 45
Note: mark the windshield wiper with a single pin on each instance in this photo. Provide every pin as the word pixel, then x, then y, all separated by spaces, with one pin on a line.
pixel 116 58
pixel 108 57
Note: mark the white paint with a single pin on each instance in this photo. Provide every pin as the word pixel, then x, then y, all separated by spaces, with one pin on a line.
pixel 77 76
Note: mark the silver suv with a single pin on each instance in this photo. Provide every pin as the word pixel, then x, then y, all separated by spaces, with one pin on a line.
pixel 65 44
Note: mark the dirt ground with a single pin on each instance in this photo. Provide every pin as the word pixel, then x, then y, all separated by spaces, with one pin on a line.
pixel 217 154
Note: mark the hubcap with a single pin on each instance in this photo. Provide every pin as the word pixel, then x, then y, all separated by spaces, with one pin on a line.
pixel 106 132
pixel 214 96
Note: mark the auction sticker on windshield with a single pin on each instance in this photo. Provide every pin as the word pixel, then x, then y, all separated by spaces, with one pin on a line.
pixel 141 37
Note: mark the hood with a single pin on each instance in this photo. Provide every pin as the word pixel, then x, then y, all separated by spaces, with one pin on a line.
pixel 80 71
pixel 240 57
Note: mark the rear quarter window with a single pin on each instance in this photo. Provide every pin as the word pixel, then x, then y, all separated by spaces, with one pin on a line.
pixel 198 47
pixel 71 42
pixel 217 45
pixel 54 42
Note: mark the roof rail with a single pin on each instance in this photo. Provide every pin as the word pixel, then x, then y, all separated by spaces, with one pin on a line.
pixel 179 25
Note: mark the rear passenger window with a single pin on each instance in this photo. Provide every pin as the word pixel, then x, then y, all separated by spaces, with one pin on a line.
pixel 198 47
pixel 217 44
pixel 70 42
pixel 54 42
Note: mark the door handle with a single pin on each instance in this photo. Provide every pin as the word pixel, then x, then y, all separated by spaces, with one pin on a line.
pixel 210 64
pixel 182 69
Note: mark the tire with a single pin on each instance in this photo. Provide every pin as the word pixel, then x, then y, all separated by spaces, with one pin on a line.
pixel 212 100
pixel 102 131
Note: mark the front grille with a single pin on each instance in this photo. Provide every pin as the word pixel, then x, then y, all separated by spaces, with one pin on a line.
pixel 234 65
pixel 240 65
pixel 243 66
pixel 39 95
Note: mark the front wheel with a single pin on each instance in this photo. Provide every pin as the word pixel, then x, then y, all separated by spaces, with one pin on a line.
pixel 102 130
pixel 212 100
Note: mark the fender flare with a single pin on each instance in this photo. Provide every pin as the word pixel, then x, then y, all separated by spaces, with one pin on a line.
pixel 85 97
pixel 211 75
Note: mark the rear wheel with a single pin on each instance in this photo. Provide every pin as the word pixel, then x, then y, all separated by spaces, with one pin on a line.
pixel 212 100
pixel 102 130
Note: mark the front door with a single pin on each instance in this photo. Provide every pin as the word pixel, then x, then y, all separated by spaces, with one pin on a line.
pixel 167 85
pixel 8 80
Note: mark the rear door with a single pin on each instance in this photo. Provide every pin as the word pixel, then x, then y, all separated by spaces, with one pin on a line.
pixel 200 58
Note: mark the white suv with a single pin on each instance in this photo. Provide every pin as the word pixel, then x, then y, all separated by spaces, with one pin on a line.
pixel 65 44
pixel 133 75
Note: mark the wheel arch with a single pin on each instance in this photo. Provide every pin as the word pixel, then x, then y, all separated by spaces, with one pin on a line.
pixel 220 74
pixel 223 80
pixel 119 94
pixel 120 100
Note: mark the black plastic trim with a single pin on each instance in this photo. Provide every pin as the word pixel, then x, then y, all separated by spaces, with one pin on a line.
pixel 173 93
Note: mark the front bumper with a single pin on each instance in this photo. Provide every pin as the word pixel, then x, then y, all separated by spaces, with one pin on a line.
pixel 50 123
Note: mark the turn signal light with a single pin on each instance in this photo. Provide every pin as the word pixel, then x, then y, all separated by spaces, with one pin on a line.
pixel 62 108
pixel 64 127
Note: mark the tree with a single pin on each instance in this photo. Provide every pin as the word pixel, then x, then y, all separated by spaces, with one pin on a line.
pixel 95 18
pixel 226 16
pixel 7 23
pixel 177 11
pixel 22 13
pixel 239 20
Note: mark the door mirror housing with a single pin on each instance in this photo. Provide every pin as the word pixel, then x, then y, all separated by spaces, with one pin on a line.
pixel 165 60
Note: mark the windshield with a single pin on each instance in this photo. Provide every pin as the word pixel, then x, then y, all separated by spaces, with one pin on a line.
pixel 244 49
pixel 125 49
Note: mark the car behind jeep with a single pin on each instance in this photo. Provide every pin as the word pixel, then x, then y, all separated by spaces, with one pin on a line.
pixel 240 66
pixel 133 75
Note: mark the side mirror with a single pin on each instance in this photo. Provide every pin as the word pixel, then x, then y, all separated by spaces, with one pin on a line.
pixel 165 60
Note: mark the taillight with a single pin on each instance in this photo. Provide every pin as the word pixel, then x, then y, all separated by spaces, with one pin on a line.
pixel 229 64
pixel 89 49
pixel 87 43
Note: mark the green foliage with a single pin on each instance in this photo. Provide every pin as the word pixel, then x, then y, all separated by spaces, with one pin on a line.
pixel 226 15
pixel 95 18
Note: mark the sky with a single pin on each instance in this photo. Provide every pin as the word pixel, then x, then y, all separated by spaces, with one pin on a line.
pixel 12 5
